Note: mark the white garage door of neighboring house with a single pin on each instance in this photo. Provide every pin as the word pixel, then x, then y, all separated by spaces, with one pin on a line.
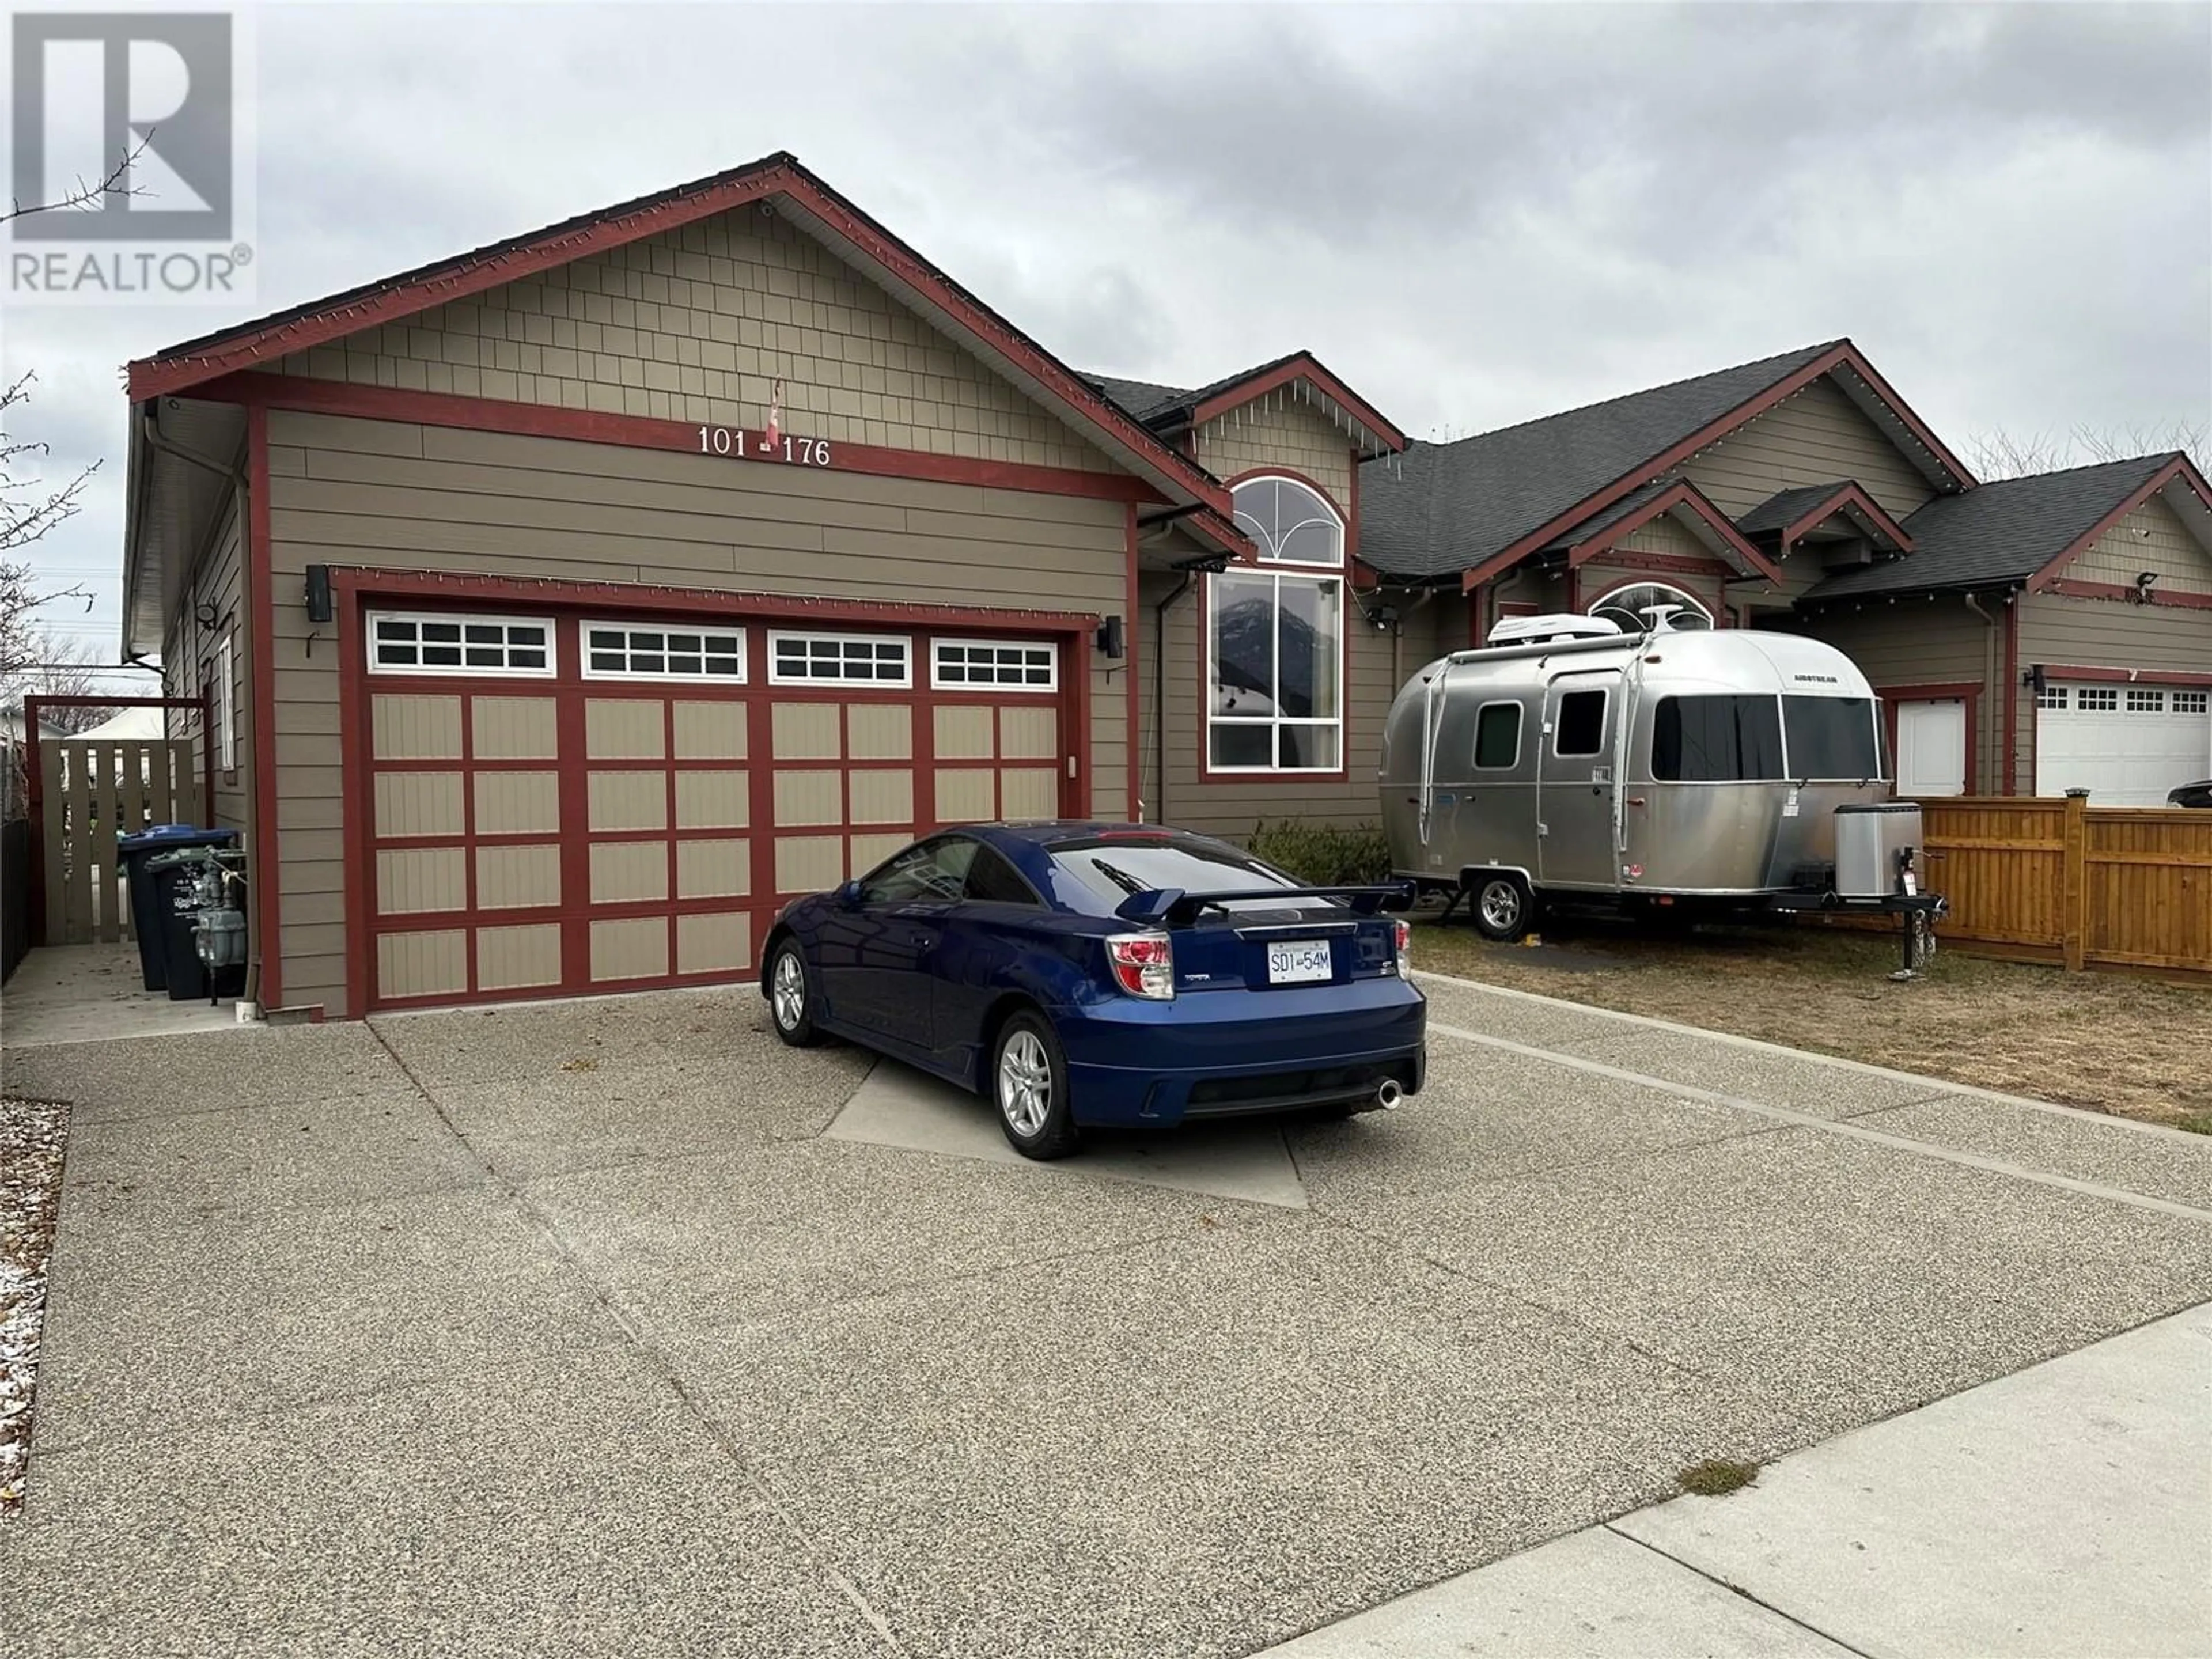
pixel 2126 745
pixel 1931 747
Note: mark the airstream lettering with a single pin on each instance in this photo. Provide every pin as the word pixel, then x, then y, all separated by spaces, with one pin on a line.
pixel 1574 759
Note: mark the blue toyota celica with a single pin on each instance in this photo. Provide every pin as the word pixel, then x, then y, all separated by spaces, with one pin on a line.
pixel 1107 974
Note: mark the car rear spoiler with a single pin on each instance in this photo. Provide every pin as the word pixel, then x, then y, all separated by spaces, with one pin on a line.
pixel 1174 906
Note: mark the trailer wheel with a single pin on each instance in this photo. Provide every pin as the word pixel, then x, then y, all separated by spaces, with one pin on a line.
pixel 1501 907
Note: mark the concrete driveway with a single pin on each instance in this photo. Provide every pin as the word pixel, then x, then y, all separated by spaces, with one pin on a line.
pixel 615 1327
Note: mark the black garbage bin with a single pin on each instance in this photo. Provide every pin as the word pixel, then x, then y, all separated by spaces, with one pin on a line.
pixel 186 883
pixel 145 920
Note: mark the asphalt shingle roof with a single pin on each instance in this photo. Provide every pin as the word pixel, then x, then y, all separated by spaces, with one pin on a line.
pixel 1439 509
pixel 1998 532
pixel 1141 399
pixel 1784 508
pixel 1153 403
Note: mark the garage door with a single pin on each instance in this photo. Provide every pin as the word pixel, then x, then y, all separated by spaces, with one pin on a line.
pixel 560 804
pixel 2126 745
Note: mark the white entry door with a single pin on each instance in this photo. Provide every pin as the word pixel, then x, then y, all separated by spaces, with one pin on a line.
pixel 2126 745
pixel 1931 747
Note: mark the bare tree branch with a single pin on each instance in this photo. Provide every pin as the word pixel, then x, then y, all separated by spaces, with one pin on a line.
pixel 1998 453
pixel 66 668
pixel 85 193
pixel 28 510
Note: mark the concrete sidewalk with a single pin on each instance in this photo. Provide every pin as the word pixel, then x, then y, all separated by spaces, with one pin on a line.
pixel 2062 1510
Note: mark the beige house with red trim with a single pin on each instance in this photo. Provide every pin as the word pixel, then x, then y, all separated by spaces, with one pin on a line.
pixel 584 597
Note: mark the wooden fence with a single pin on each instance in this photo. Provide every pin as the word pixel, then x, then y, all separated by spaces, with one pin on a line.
pixel 90 792
pixel 2089 886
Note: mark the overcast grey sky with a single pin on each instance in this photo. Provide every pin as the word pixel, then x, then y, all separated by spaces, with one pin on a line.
pixel 1473 213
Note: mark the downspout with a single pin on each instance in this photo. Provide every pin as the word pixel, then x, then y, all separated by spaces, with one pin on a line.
pixel 1398 640
pixel 1160 693
pixel 1992 673
pixel 235 475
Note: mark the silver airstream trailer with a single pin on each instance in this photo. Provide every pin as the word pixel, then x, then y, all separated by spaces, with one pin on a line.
pixel 1666 767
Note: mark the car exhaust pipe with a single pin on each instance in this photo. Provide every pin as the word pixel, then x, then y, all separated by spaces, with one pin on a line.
pixel 1388 1094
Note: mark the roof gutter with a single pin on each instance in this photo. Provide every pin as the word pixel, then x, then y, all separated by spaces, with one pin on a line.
pixel 146 434
pixel 134 515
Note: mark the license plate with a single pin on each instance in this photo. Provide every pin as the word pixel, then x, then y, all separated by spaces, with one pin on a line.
pixel 1299 964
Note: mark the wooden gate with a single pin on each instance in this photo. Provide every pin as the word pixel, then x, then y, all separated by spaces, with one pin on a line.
pixel 85 792
pixel 92 792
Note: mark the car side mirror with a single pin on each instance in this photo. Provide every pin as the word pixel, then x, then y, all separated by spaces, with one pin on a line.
pixel 848 895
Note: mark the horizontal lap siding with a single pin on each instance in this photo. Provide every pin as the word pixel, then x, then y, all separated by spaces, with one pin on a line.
pixel 1817 436
pixel 1276 431
pixel 2103 633
pixel 699 324
pixel 2154 538
pixel 387 494
pixel 1923 642
pixel 188 660
pixel 1233 807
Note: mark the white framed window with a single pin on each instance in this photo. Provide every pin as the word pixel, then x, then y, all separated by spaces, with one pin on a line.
pixel 651 651
pixel 840 659
pixel 1288 522
pixel 1638 605
pixel 993 665
pixel 1274 658
pixel 226 707
pixel 2141 701
pixel 401 642
pixel 2189 703
pixel 2052 696
pixel 2093 698
pixel 1274 637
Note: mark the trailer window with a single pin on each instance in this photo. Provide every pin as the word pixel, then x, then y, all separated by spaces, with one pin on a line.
pixel 1581 727
pixel 1498 737
pixel 1719 739
pixel 1831 737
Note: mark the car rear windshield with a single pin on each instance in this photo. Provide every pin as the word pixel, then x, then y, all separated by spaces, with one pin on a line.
pixel 1831 737
pixel 1117 866
pixel 1716 739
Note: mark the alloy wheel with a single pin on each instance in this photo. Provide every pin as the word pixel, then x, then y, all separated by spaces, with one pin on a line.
pixel 1024 1083
pixel 1501 906
pixel 788 992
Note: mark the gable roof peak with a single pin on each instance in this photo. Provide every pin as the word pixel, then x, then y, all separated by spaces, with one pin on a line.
pixel 1782 363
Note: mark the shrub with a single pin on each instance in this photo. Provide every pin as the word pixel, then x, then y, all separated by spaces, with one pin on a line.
pixel 1322 854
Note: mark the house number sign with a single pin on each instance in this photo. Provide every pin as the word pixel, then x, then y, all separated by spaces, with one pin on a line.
pixel 769 445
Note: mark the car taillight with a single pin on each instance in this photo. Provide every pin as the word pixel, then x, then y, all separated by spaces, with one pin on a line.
pixel 1143 964
pixel 1405 930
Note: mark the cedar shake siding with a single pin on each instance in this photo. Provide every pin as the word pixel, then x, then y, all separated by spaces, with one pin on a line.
pixel 1929 641
pixel 189 654
pixel 698 325
pixel 1667 539
pixel 2076 633
pixel 1273 432
pixel 403 496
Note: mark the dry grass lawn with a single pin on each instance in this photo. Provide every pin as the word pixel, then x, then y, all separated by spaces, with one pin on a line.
pixel 2114 1042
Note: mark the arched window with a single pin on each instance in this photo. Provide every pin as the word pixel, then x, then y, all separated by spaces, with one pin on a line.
pixel 1638 606
pixel 1275 637
pixel 1289 523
